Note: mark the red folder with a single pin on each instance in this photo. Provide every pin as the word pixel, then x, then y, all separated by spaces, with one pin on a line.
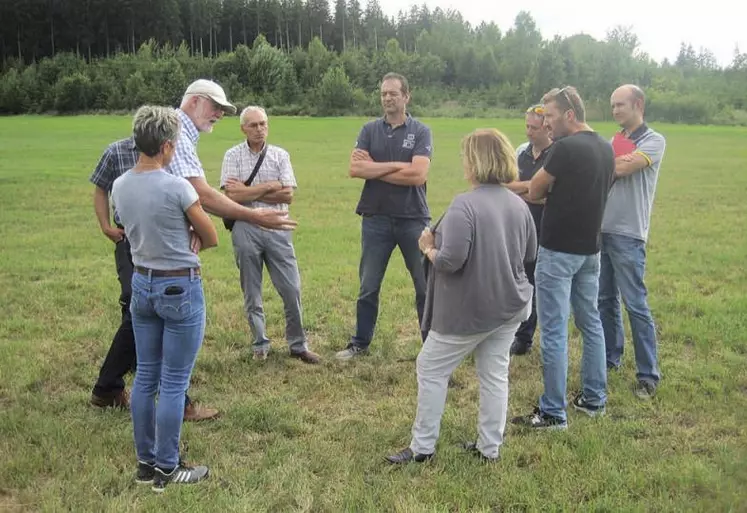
pixel 622 145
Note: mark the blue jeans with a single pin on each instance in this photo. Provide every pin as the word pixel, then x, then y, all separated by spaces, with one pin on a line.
pixel 564 281
pixel 379 236
pixel 622 270
pixel 169 328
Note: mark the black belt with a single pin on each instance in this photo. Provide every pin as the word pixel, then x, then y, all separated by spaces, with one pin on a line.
pixel 175 272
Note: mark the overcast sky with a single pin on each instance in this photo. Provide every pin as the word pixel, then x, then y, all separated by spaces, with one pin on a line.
pixel 659 24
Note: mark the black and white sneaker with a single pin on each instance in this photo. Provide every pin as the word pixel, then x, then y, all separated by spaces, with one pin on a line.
pixel 539 420
pixel 145 473
pixel 182 474
pixel 645 390
pixel 581 404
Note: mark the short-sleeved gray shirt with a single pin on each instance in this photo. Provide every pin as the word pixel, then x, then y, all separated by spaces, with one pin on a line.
pixel 152 208
pixel 631 198
pixel 385 143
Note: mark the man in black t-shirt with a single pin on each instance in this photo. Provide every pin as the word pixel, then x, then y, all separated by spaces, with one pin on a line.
pixel 575 180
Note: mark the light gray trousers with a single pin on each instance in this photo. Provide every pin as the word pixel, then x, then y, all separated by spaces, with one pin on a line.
pixel 253 248
pixel 439 357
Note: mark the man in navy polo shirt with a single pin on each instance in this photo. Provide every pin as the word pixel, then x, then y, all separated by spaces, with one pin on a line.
pixel 530 157
pixel 393 155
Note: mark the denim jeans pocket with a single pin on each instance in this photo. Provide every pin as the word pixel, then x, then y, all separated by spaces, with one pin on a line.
pixel 175 302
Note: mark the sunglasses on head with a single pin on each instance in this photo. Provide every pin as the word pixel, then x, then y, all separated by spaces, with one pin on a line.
pixel 536 109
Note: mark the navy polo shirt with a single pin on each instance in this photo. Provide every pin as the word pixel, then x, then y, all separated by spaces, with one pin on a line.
pixel 385 143
pixel 528 167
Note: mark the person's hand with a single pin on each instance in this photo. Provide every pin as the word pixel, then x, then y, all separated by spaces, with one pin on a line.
pixel 273 219
pixel 427 240
pixel 195 242
pixel 361 155
pixel 273 186
pixel 628 157
pixel 113 233
pixel 234 184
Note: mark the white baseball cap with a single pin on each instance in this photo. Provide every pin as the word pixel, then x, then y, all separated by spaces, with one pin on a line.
pixel 203 87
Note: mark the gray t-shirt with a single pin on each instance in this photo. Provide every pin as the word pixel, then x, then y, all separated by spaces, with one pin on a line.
pixel 631 198
pixel 478 281
pixel 151 206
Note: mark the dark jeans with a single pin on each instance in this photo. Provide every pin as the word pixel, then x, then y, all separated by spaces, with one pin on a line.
pixel 380 234
pixel 121 357
pixel 526 330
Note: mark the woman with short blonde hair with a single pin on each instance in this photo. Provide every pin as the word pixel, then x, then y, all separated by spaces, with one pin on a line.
pixel 477 295
pixel 158 211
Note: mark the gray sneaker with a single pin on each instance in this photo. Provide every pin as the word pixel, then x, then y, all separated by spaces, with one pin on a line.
pixel 645 390
pixel 182 474
pixel 350 352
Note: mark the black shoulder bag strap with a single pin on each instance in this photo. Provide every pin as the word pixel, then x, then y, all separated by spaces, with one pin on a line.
pixel 228 223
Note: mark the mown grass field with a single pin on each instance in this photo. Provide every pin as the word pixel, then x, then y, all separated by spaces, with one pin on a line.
pixel 312 438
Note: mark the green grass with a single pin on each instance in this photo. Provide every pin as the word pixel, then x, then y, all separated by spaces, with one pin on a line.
pixel 302 438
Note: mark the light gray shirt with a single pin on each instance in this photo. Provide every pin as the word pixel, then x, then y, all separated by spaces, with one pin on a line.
pixel 631 198
pixel 152 208
pixel 478 282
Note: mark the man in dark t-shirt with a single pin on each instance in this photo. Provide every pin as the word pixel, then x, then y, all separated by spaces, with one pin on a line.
pixel 575 179
pixel 393 155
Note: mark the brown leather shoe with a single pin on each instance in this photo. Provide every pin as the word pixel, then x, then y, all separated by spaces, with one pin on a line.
pixel 119 400
pixel 306 356
pixel 195 413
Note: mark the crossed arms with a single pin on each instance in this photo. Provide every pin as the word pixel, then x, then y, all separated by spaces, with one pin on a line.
pixel 268 192
pixel 397 173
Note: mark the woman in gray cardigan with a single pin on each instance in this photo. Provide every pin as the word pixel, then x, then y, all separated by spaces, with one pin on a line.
pixel 477 295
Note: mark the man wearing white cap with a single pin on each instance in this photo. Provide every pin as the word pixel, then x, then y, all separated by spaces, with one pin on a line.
pixel 203 105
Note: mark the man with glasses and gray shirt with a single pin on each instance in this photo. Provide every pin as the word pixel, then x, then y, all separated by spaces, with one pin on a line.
pixel 259 175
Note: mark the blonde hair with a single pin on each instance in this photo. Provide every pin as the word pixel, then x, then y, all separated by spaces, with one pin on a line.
pixel 490 156
pixel 152 126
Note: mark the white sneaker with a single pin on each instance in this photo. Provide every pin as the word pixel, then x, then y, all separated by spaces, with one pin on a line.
pixel 350 352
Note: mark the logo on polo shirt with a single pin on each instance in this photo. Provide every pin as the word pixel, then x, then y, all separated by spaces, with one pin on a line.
pixel 409 142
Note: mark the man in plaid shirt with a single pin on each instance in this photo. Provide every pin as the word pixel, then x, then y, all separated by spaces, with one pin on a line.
pixel 109 390
pixel 254 246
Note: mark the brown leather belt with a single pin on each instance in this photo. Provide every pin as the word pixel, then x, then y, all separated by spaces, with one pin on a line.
pixel 175 272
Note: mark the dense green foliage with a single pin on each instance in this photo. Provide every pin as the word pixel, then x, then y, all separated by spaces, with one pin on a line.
pixel 298 57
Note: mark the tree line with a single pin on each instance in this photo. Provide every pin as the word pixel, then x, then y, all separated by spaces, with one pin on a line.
pixel 300 57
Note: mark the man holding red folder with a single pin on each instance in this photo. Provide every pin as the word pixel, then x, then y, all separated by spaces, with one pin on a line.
pixel 638 154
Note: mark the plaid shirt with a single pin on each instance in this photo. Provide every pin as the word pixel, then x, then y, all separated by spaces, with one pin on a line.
pixel 185 162
pixel 239 163
pixel 118 158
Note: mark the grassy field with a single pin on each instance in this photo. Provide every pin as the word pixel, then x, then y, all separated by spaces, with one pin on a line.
pixel 311 438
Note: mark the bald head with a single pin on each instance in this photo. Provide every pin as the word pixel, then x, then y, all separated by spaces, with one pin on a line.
pixel 628 104
pixel 634 93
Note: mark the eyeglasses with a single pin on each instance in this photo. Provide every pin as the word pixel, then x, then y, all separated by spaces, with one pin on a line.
pixel 536 109
pixel 256 124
